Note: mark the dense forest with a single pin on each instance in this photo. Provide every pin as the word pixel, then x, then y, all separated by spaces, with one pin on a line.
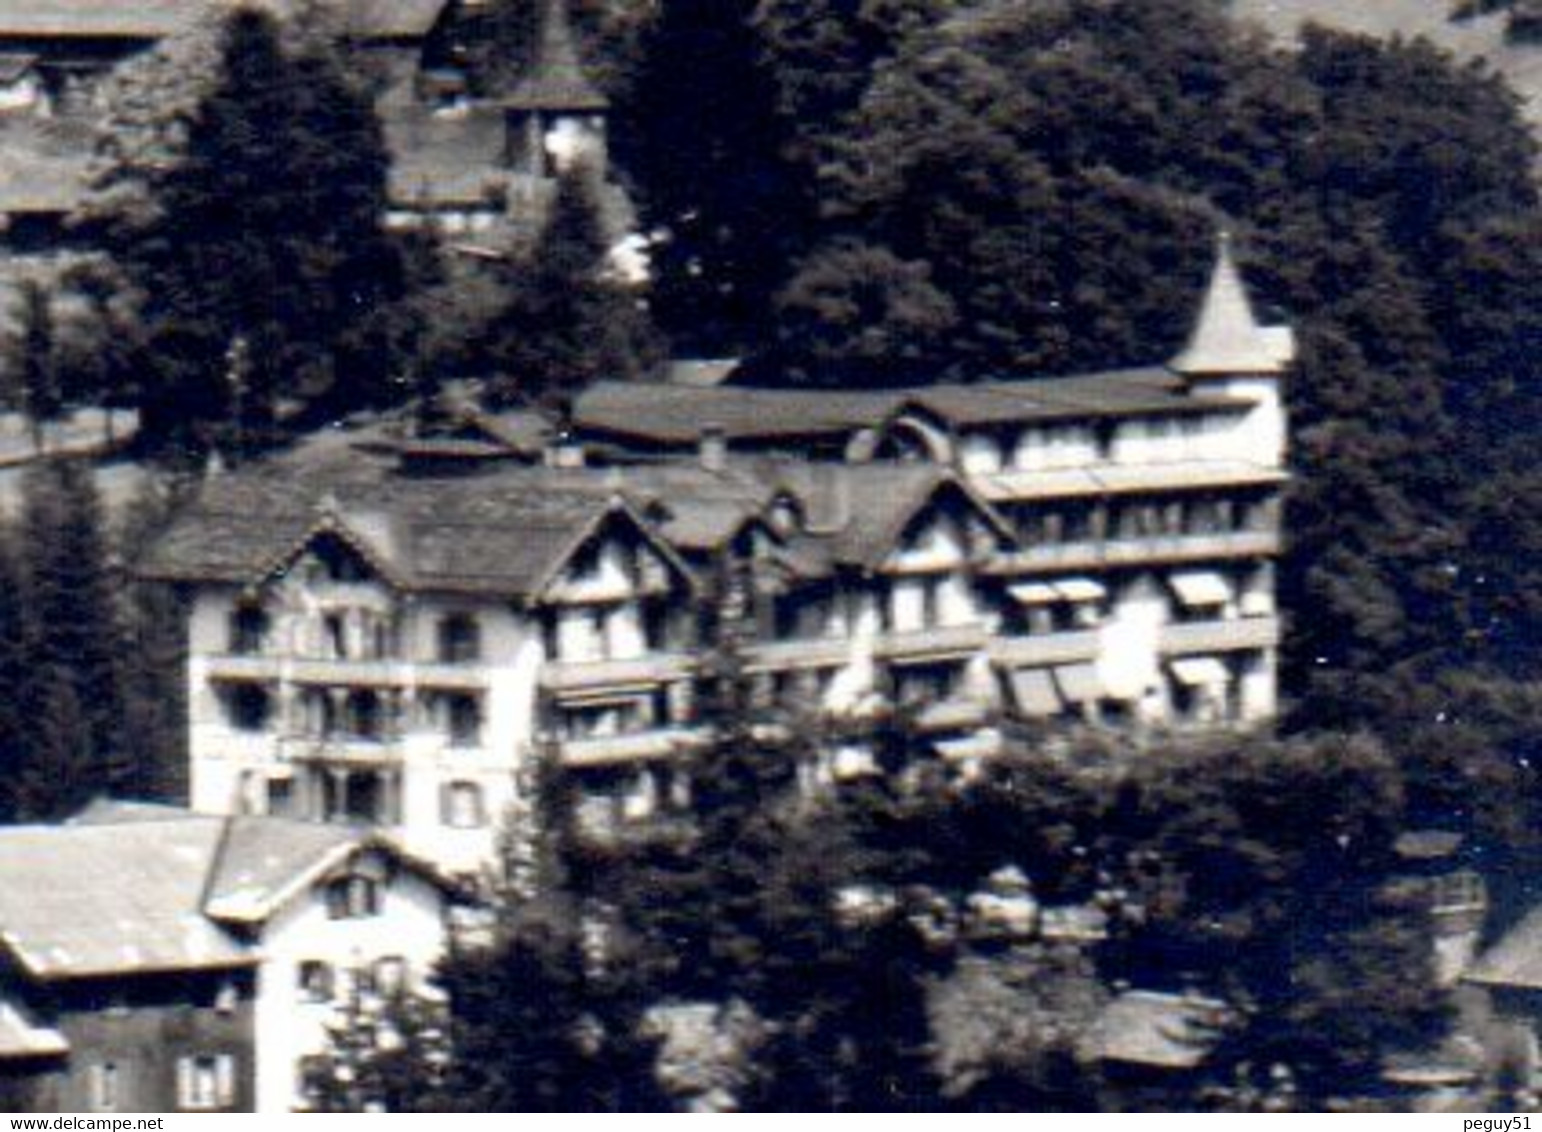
pixel 846 195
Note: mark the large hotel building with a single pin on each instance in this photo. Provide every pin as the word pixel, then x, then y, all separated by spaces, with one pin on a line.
pixel 392 630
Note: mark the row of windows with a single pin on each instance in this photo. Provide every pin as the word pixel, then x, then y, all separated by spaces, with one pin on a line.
pixel 205 1083
pixel 363 634
pixel 362 715
pixel 321 982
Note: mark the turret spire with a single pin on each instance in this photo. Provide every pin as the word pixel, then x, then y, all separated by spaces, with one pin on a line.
pixel 556 79
pixel 1227 337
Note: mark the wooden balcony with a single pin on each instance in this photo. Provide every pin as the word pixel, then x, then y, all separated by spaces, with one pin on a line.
pixel 941 643
pixel 578 676
pixel 1245 633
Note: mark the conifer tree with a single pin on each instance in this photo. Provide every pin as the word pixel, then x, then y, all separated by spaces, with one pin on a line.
pixel 567 321
pixel 33 361
pixel 265 230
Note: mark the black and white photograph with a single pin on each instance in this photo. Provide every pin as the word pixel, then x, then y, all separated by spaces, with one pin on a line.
pixel 781 556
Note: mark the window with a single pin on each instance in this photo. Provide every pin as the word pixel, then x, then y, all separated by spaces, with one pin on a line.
pixel 206 1082
pixel 464 714
pixel 353 898
pixel 227 998
pixel 248 630
pixel 460 639
pixel 102 1083
pixel 366 716
pixel 248 707
pixel 315 980
pixel 462 806
pixel 335 636
pixel 281 801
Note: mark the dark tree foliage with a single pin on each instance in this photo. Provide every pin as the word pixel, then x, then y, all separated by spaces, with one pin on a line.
pixel 703 143
pixel 64 648
pixel 566 321
pixel 264 239
pixel 34 362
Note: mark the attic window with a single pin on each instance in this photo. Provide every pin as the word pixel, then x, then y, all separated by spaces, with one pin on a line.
pixel 248 629
pixel 353 898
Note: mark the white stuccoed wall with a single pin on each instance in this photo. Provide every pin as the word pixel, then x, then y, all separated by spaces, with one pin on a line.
pixel 288 1027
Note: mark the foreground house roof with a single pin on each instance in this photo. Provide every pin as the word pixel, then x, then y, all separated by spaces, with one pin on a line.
pixel 153 19
pixel 128 890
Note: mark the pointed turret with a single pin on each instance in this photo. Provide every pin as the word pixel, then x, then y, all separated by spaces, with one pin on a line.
pixel 1227 337
pixel 557 81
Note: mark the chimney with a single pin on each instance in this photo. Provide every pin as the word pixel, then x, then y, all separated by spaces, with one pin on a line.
pixel 712 448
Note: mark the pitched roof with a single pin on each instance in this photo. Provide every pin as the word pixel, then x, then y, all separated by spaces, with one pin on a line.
pixel 1515 960
pixel 20 1037
pixel 503 534
pixel 557 79
pixel 1164 1031
pixel 676 415
pixel 111 899
pixel 1227 337
pixel 263 860
pixel 122 889
pixel 153 19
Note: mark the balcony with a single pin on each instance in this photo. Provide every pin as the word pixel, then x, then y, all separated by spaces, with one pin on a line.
pixel 1078 647
pixel 577 676
pixel 1056 557
pixel 637 746
pixel 383 673
pixel 812 652
pixel 939 643
pixel 340 751
pixel 1221 636
pixel 958 713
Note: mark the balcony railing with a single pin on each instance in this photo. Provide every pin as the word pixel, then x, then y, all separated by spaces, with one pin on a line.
pixel 580 675
pixel 940 641
pixel 1076 647
pixel 813 652
pixel 383 673
pixel 339 750
pixel 1221 636
pixel 637 746
pixel 1053 557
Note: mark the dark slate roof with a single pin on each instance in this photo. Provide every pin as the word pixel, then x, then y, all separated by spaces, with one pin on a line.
pixel 1515 960
pixel 153 19
pixel 503 533
pixel 677 414
pixel 557 79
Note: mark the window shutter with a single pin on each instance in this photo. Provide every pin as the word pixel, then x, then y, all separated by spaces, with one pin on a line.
pixel 446 804
pixel 185 1082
